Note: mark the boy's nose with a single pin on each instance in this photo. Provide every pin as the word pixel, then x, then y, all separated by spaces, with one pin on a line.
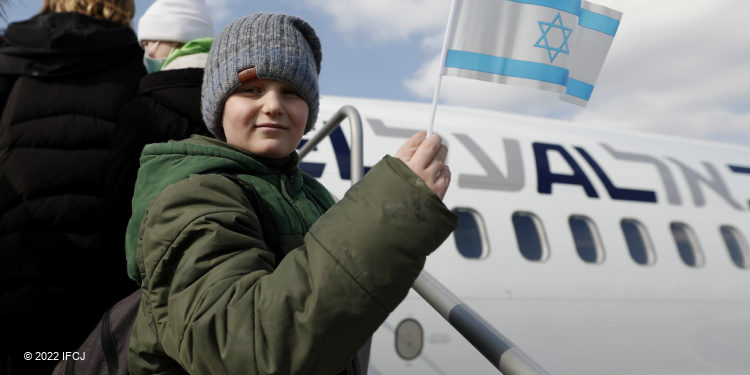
pixel 272 102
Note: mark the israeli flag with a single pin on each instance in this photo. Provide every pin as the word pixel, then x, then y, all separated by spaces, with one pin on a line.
pixel 553 45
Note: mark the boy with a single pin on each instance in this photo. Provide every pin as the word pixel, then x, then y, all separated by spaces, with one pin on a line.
pixel 216 298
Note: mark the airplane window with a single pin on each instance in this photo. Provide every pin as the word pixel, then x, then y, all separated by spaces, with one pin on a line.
pixel 737 246
pixel 687 245
pixel 470 236
pixel 409 339
pixel 639 244
pixel 530 236
pixel 586 239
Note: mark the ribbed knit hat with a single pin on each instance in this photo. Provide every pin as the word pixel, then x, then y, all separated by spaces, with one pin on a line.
pixel 279 46
pixel 176 21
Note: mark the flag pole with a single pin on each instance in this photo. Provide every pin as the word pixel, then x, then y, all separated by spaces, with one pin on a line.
pixel 441 64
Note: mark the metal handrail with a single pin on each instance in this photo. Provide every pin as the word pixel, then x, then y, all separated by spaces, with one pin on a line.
pixel 498 349
pixel 355 122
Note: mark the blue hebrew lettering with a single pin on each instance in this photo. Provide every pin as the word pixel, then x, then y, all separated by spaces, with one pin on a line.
pixel 614 191
pixel 545 177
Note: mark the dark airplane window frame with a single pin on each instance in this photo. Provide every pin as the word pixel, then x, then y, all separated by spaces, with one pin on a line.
pixel 471 236
pixel 639 243
pixel 586 239
pixel 737 246
pixel 530 236
pixel 409 339
pixel 687 245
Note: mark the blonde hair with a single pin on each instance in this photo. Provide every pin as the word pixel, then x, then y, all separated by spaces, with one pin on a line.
pixel 117 11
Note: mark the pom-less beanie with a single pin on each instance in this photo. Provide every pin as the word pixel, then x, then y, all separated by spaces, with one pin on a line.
pixel 279 46
pixel 176 21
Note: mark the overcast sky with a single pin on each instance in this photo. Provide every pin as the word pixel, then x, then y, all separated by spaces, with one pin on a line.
pixel 676 67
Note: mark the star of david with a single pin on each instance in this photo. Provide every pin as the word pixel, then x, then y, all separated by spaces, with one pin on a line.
pixel 546 27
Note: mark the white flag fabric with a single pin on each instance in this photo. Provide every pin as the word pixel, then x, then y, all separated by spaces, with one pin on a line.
pixel 553 45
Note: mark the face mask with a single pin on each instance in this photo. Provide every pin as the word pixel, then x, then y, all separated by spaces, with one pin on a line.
pixel 154 64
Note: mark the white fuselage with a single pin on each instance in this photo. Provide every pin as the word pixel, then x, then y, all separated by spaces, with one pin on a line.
pixel 607 311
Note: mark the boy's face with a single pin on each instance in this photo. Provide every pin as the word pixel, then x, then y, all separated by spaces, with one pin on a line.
pixel 265 117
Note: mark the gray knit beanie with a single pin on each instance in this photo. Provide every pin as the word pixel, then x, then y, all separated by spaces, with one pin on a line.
pixel 279 46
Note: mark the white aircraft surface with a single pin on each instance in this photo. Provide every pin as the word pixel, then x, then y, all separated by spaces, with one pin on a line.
pixel 596 252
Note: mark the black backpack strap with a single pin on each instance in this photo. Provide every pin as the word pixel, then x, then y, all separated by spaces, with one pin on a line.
pixel 70 368
pixel 109 344
pixel 268 226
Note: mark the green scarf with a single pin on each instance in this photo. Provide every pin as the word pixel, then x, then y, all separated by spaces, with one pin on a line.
pixel 192 47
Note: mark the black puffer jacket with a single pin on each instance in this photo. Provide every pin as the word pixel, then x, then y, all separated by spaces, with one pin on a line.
pixel 63 79
pixel 167 108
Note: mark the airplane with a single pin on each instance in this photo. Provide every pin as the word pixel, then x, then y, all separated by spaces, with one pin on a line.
pixel 595 251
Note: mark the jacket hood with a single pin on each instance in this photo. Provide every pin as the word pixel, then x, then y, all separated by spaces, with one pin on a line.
pixel 179 90
pixel 163 164
pixel 58 44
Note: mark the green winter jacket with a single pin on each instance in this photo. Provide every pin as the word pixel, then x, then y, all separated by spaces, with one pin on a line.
pixel 214 299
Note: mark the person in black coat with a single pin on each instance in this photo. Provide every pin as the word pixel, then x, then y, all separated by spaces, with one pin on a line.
pixel 176 36
pixel 64 75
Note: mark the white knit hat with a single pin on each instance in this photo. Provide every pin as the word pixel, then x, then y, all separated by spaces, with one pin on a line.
pixel 176 21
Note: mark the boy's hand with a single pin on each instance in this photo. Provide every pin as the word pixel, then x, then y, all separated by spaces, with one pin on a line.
pixel 426 158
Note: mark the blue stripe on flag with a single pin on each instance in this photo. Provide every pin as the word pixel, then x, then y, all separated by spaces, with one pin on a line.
pixel 579 89
pixel 507 67
pixel 570 6
pixel 598 22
